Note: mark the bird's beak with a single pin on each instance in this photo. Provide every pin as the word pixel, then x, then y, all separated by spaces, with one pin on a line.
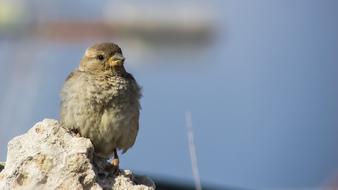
pixel 116 60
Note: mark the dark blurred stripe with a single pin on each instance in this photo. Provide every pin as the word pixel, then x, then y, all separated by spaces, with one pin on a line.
pixel 162 184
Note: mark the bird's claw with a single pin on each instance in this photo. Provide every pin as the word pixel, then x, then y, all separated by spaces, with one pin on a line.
pixel 75 132
pixel 117 172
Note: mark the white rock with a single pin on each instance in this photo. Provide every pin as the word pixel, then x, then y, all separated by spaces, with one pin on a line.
pixel 49 157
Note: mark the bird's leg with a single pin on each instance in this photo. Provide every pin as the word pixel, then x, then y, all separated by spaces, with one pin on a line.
pixel 116 162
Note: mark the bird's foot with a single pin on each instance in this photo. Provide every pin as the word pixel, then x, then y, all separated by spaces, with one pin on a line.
pixel 113 168
pixel 75 132
pixel 117 172
pixel 116 162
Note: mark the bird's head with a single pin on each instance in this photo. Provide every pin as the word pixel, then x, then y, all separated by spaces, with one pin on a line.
pixel 103 58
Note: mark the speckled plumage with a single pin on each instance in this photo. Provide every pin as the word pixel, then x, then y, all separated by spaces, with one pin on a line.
pixel 101 100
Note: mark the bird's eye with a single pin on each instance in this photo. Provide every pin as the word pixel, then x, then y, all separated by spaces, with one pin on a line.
pixel 100 57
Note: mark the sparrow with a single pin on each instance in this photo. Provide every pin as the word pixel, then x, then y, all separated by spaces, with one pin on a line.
pixel 100 100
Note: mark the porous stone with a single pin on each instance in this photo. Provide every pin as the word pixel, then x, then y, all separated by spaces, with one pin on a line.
pixel 50 157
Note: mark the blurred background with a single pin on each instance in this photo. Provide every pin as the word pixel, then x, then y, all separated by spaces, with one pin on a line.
pixel 259 78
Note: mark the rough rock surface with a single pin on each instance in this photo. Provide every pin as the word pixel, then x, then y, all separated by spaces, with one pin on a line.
pixel 49 157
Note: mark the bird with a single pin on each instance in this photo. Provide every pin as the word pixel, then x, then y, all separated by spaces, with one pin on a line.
pixel 100 100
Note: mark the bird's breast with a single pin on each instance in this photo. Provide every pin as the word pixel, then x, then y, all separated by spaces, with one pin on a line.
pixel 115 92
